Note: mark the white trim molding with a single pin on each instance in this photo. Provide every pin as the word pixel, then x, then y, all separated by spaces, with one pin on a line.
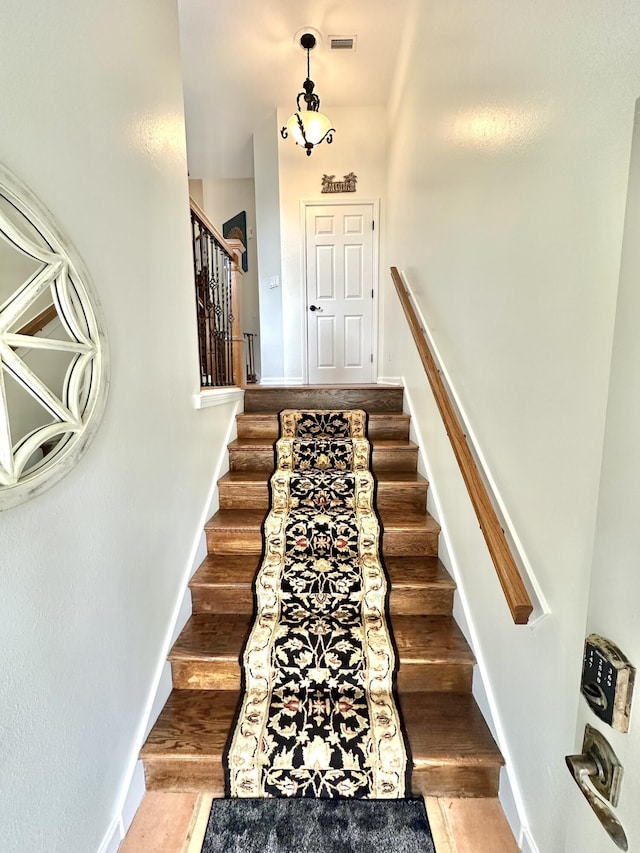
pixel 216 397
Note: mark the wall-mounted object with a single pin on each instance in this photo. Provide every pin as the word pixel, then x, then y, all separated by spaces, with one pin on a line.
pixel 346 185
pixel 607 681
pixel 598 774
pixel 236 229
pixel 53 349
pixel 308 126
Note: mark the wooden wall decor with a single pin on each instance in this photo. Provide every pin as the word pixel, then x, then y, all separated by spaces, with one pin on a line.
pixel 346 185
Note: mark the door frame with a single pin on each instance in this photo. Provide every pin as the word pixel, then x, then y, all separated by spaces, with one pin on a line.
pixel 340 202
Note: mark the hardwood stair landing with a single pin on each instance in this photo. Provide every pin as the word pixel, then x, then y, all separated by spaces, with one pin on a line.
pixel 452 752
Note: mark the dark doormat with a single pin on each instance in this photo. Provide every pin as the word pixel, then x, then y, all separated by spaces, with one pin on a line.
pixel 298 825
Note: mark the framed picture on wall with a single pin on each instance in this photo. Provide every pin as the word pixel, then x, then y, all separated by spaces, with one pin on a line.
pixel 236 229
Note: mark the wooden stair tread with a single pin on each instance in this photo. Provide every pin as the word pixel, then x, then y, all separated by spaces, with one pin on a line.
pixel 217 637
pixel 240 570
pixel 194 723
pixel 402 520
pixel 442 728
pixel 245 519
pixel 433 639
pixel 212 637
pixel 417 572
pixel 226 570
pixel 447 728
pixel 236 519
pixel 255 444
pixel 247 475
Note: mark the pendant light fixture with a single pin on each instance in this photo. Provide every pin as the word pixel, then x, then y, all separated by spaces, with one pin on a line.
pixel 308 126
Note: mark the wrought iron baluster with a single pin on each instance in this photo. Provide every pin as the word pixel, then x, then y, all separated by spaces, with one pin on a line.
pixel 212 270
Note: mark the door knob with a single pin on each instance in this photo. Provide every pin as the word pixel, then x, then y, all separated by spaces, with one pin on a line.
pixel 597 769
pixel 315 308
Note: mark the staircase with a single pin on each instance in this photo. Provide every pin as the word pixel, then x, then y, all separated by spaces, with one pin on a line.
pixel 451 750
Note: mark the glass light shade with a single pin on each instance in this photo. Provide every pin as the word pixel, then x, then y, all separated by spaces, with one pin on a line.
pixel 315 126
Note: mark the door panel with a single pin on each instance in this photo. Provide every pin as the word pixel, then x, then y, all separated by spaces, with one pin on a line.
pixel 354 340
pixel 326 340
pixel 325 272
pixel 339 267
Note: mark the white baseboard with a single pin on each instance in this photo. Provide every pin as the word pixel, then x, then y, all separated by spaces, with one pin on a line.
pixel 163 690
pixel 120 824
pixel 133 799
pixel 113 838
pixel 389 380
pixel 509 793
pixel 527 844
pixel 133 789
pixel 281 380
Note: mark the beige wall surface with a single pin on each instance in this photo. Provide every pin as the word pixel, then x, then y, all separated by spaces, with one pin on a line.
pixel 92 570
pixel 510 132
pixel 614 606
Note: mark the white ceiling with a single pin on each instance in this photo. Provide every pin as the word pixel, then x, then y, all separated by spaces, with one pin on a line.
pixel 240 61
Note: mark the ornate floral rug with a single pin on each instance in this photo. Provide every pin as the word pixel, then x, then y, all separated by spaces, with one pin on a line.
pixel 318 717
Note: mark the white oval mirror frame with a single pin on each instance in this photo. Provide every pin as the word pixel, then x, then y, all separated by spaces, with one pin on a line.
pixel 69 332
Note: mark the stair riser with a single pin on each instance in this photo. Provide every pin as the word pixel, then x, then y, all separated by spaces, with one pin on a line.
pixel 184 774
pixel 412 678
pixel 430 677
pixel 259 427
pixel 382 459
pixel 369 399
pixel 421 602
pixel 395 543
pixel 221 600
pixel 403 602
pixel 459 781
pixel 389 496
pixel 205 675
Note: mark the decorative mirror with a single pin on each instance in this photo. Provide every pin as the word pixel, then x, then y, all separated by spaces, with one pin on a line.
pixel 53 355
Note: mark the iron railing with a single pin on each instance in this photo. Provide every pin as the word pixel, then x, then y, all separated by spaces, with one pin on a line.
pixel 212 268
pixel 250 356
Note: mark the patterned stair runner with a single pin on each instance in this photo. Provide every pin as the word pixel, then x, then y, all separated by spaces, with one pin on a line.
pixel 318 716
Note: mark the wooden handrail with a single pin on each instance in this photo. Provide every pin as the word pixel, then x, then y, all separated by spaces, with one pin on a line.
pixel 508 574
pixel 202 216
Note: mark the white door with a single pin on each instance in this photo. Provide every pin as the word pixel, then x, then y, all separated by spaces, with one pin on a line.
pixel 340 292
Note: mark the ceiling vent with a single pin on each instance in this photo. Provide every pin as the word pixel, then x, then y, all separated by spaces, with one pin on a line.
pixel 342 42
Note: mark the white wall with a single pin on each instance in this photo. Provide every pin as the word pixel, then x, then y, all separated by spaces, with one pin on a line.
pixel 614 606
pixel 222 199
pixel 92 121
pixel 265 159
pixel 359 146
pixel 508 157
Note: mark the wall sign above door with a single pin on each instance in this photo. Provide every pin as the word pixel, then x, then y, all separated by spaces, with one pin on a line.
pixel 346 185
